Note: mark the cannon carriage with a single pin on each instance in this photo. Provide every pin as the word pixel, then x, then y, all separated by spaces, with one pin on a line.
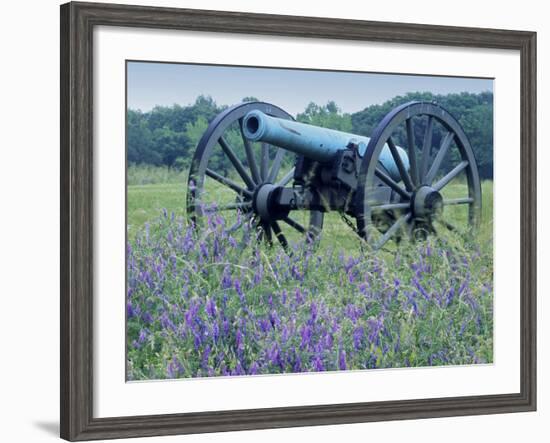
pixel 383 191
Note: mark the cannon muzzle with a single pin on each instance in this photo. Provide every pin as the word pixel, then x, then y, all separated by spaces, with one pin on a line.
pixel 314 142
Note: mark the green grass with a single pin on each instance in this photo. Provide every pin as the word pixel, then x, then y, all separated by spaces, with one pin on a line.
pixel 146 202
pixel 148 175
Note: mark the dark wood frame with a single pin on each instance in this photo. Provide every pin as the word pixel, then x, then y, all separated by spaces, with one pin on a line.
pixel 77 24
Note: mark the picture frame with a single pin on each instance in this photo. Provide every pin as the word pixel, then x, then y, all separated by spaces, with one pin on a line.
pixel 78 21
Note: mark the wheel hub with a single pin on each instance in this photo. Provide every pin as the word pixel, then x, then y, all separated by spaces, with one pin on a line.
pixel 265 203
pixel 427 203
pixel 261 201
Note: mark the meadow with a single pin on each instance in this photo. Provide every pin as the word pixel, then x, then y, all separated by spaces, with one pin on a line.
pixel 209 302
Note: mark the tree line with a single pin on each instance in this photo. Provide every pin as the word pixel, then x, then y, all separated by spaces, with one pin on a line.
pixel 168 135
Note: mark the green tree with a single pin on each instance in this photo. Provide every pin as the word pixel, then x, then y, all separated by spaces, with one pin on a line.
pixel 169 144
pixel 168 135
pixel 140 140
pixel 194 130
pixel 327 116
pixel 250 99
pixel 159 137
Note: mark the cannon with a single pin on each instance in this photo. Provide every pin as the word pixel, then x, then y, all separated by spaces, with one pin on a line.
pixel 282 175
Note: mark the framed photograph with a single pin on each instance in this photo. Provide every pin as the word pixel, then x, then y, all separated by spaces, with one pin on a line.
pixel 272 221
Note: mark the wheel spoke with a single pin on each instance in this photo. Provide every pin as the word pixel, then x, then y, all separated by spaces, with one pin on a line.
pixel 452 174
pixel 392 184
pixel 267 232
pixel 426 149
pixel 288 176
pixel 236 162
pixel 458 201
pixel 250 156
pixel 392 230
pixel 228 206
pixel 448 225
pixel 264 165
pixel 280 236
pixel 412 151
pixel 276 166
pixel 391 207
pixel 294 224
pixel 445 144
pixel 228 182
pixel 399 162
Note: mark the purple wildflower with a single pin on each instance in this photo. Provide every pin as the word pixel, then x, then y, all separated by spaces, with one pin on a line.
pixel 239 340
pixel 174 368
pixel 137 344
pixel 305 333
pixel 358 337
pixel 211 308
pixel 298 296
pixel 239 289
pixel 274 319
pixel 328 341
pixel 225 327
pixel 313 311
pixel 205 356
pixel 215 332
pixel 147 317
pixel 342 360
pixel 254 368
pixel 297 367
pixel 318 364
pixel 462 287
pixel 239 369
pixel 274 355
pixel 285 334
pixel 421 289
pixel 375 327
pixel 450 296
pixel 129 310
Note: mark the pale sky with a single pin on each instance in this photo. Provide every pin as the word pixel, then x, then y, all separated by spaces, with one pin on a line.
pixel 150 84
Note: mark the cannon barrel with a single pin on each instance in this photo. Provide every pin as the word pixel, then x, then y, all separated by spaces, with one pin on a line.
pixel 320 144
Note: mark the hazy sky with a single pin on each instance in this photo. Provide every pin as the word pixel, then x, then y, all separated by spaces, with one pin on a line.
pixel 151 84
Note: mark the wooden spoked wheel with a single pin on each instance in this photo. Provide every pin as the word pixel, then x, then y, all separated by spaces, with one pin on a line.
pixel 442 176
pixel 231 175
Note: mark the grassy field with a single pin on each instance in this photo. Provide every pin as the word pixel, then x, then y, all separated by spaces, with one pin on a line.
pixel 146 201
pixel 212 303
